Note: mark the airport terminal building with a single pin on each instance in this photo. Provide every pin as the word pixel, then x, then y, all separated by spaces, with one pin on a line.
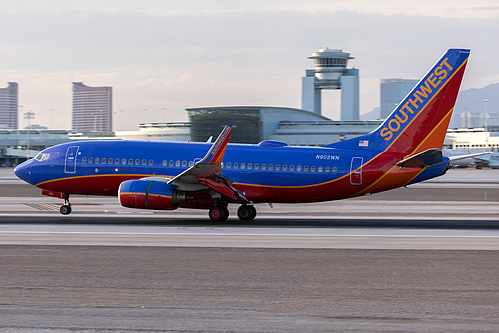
pixel 252 123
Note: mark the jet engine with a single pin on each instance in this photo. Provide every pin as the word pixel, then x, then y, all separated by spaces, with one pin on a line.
pixel 150 194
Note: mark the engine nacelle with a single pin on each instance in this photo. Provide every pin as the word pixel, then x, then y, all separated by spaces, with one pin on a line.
pixel 150 194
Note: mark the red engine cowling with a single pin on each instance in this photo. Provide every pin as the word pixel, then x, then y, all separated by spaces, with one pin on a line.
pixel 150 194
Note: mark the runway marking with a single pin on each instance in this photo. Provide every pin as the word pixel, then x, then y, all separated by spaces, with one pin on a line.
pixel 43 206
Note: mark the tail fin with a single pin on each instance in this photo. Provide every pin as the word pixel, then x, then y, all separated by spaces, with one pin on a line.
pixel 421 120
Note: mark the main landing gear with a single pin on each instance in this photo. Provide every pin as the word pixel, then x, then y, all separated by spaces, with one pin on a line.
pixel 66 208
pixel 221 213
pixel 246 212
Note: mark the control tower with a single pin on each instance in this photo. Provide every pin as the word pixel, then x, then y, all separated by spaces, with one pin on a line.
pixel 331 72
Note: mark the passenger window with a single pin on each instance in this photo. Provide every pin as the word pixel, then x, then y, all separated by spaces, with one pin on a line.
pixel 264 166
pixel 278 167
pixel 191 163
pixel 164 163
pixel 236 165
pixel 319 169
pixel 123 161
pixel 228 165
pixel 177 163
pixel 116 161
pixel 250 166
pixel 84 160
pixel 257 166
pixel 271 167
pixel 137 161
pixel 171 163
pixel 328 169
pixel 291 168
pixel 90 159
pixel 130 161
pixel 103 161
pixel 335 169
pixel 284 167
pixel 312 168
pixel 305 168
pixel 144 162
pixel 298 168
pixel 151 162
pixel 243 166
pixel 110 160
pixel 184 163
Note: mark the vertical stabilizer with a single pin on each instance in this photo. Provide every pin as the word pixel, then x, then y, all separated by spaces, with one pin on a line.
pixel 421 120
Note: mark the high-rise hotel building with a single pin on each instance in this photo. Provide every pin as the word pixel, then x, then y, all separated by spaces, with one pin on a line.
pixel 9 106
pixel 92 108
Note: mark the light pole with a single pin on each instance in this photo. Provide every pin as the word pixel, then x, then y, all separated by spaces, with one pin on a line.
pixel 17 141
pixel 486 115
pixel 29 115
pixel 121 120
pixel 51 125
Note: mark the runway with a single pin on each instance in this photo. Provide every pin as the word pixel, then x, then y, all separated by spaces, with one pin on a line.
pixel 421 259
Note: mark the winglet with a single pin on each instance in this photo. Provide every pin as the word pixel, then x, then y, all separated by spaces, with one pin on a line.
pixel 216 153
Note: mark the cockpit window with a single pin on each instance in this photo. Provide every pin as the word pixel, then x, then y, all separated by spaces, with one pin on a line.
pixel 42 156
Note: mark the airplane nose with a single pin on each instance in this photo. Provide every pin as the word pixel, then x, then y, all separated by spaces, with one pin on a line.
pixel 22 171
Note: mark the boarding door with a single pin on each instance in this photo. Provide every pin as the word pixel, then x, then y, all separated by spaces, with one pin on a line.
pixel 356 171
pixel 70 160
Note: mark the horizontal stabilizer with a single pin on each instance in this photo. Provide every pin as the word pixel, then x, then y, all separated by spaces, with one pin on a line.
pixel 421 160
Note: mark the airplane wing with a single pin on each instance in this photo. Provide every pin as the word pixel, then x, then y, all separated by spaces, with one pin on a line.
pixel 460 157
pixel 207 173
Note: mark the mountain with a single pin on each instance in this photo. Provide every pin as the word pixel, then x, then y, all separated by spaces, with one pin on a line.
pixel 470 100
pixel 371 115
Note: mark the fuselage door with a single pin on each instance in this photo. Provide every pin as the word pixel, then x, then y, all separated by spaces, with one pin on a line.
pixel 356 171
pixel 70 160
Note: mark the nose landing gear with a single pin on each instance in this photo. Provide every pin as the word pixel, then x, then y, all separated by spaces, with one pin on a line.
pixel 66 208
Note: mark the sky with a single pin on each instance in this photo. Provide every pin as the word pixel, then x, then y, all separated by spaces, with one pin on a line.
pixel 163 56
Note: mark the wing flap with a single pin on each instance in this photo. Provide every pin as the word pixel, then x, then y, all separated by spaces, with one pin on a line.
pixel 218 187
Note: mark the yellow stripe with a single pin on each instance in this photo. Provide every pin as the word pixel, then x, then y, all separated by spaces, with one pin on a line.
pixel 156 195
pixel 433 130
pixel 103 175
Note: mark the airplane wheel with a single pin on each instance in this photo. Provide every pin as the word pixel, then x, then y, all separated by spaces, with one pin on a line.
pixel 218 214
pixel 65 209
pixel 246 213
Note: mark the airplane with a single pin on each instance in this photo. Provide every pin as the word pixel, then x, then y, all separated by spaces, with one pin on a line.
pixel 466 157
pixel 405 149
pixel 490 160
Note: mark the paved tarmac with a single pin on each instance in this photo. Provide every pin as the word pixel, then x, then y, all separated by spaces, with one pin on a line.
pixel 168 289
pixel 421 259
